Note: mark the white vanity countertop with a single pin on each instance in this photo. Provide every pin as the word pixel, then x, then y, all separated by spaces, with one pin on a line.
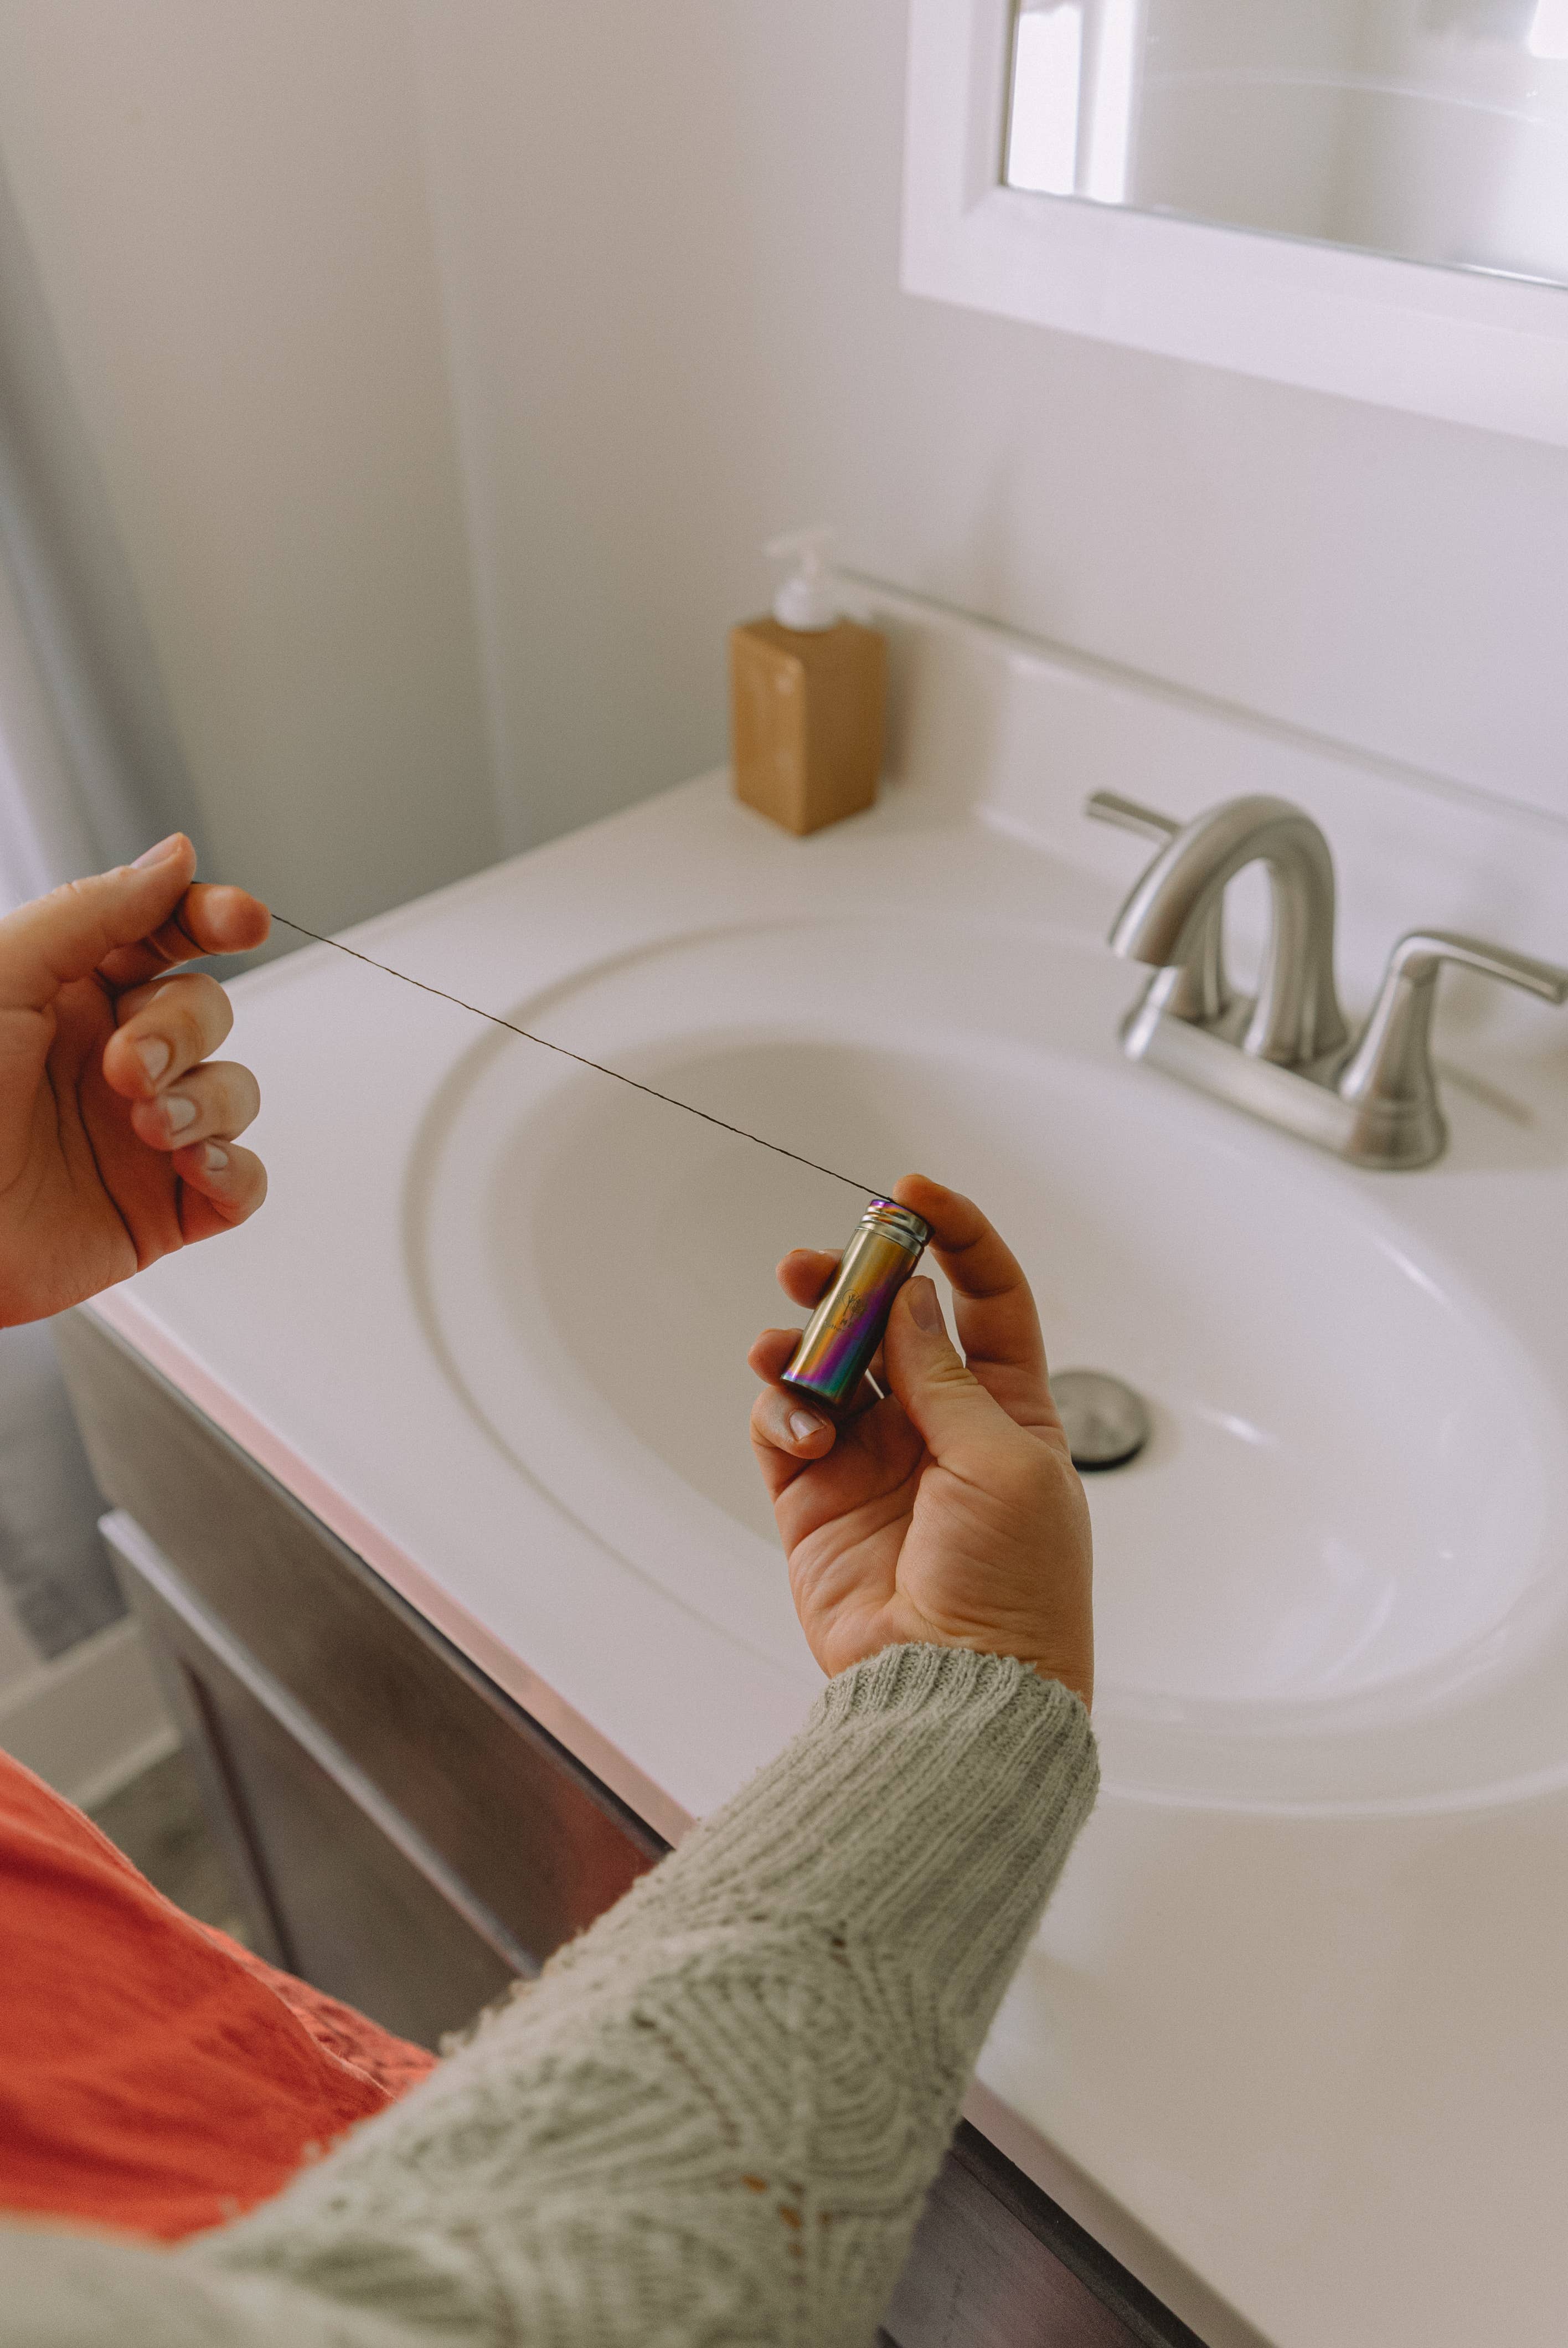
pixel 1306 2072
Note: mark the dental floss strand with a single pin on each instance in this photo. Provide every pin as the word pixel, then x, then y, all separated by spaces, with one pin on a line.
pixel 870 1189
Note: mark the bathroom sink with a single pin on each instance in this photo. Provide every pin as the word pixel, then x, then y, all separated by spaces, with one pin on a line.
pixel 1300 1988
pixel 1330 1582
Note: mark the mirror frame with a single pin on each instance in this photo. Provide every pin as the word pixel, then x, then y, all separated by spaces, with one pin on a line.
pixel 1450 343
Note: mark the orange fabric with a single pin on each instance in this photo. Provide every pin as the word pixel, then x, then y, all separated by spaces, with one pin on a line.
pixel 154 2075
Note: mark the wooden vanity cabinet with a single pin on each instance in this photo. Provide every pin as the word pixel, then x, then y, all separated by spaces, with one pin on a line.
pixel 400 1831
pixel 401 1834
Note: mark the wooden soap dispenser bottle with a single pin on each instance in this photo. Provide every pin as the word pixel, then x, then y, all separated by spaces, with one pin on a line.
pixel 808 691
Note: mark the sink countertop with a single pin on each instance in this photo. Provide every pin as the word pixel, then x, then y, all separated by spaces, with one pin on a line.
pixel 1305 2069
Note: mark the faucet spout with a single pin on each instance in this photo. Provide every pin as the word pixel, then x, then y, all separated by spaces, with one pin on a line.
pixel 1297 1017
pixel 1373 1104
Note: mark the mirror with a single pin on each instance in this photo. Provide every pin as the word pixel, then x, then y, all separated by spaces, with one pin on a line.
pixel 1429 130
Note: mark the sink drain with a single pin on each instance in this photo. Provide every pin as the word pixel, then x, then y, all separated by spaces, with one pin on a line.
pixel 1107 1423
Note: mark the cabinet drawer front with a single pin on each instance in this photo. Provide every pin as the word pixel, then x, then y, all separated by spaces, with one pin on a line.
pixel 542 1845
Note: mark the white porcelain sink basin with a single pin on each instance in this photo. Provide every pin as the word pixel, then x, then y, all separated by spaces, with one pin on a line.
pixel 1299 1989
pixel 1335 1577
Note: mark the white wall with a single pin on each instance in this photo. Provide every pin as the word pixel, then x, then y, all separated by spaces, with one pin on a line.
pixel 445 365
pixel 225 206
pixel 673 235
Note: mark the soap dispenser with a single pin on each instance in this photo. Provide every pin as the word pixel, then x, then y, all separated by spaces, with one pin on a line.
pixel 808 691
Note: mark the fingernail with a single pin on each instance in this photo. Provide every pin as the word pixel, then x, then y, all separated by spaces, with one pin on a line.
pixel 214 1158
pixel 924 1309
pixel 179 1112
pixel 157 855
pixel 155 1058
pixel 804 1423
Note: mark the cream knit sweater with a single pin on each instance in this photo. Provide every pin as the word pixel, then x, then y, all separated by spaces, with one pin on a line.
pixel 715 2116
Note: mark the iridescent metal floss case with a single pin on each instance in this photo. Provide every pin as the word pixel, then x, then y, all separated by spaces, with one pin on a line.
pixel 840 1340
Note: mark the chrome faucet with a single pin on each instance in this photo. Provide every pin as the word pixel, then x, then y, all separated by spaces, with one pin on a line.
pixel 1286 1055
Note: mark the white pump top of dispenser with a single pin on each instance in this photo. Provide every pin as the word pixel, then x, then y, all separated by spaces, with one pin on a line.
pixel 806 598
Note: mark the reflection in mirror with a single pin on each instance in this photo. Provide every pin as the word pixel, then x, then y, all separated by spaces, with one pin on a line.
pixel 1433 131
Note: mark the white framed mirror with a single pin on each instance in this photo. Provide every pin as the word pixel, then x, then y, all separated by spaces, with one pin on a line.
pixel 1367 197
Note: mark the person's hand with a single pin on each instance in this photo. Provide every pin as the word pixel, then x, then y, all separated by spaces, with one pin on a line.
pixel 117 1130
pixel 949 1510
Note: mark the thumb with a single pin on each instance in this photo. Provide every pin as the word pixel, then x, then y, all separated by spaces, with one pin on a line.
pixel 66 934
pixel 946 1403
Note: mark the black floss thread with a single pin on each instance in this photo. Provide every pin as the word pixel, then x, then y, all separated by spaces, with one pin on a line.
pixel 741 1132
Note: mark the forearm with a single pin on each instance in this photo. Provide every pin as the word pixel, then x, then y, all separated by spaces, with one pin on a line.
pixel 717 2114
pixel 729 2096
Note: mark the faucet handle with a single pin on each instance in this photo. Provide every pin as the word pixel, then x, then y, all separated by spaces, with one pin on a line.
pixel 1390 1074
pixel 1200 990
pixel 1131 814
pixel 1420 953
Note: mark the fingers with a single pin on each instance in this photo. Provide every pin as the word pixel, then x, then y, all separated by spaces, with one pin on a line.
pixel 787 1422
pixel 787 1434
pixel 950 1403
pixel 771 1354
pixel 210 918
pixel 158 1058
pixel 213 1103
pixel 998 1325
pixel 959 1421
pixel 218 918
pixel 220 1186
pixel 993 1309
pixel 804 1274
pixel 128 925
pixel 71 931
pixel 163 1030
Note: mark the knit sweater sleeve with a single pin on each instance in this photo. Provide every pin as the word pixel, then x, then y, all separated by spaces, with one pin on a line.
pixel 716 2115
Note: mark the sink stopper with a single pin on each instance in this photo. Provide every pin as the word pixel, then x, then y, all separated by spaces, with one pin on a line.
pixel 1106 1423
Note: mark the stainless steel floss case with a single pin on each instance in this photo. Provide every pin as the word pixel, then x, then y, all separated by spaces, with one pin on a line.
pixel 839 1342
